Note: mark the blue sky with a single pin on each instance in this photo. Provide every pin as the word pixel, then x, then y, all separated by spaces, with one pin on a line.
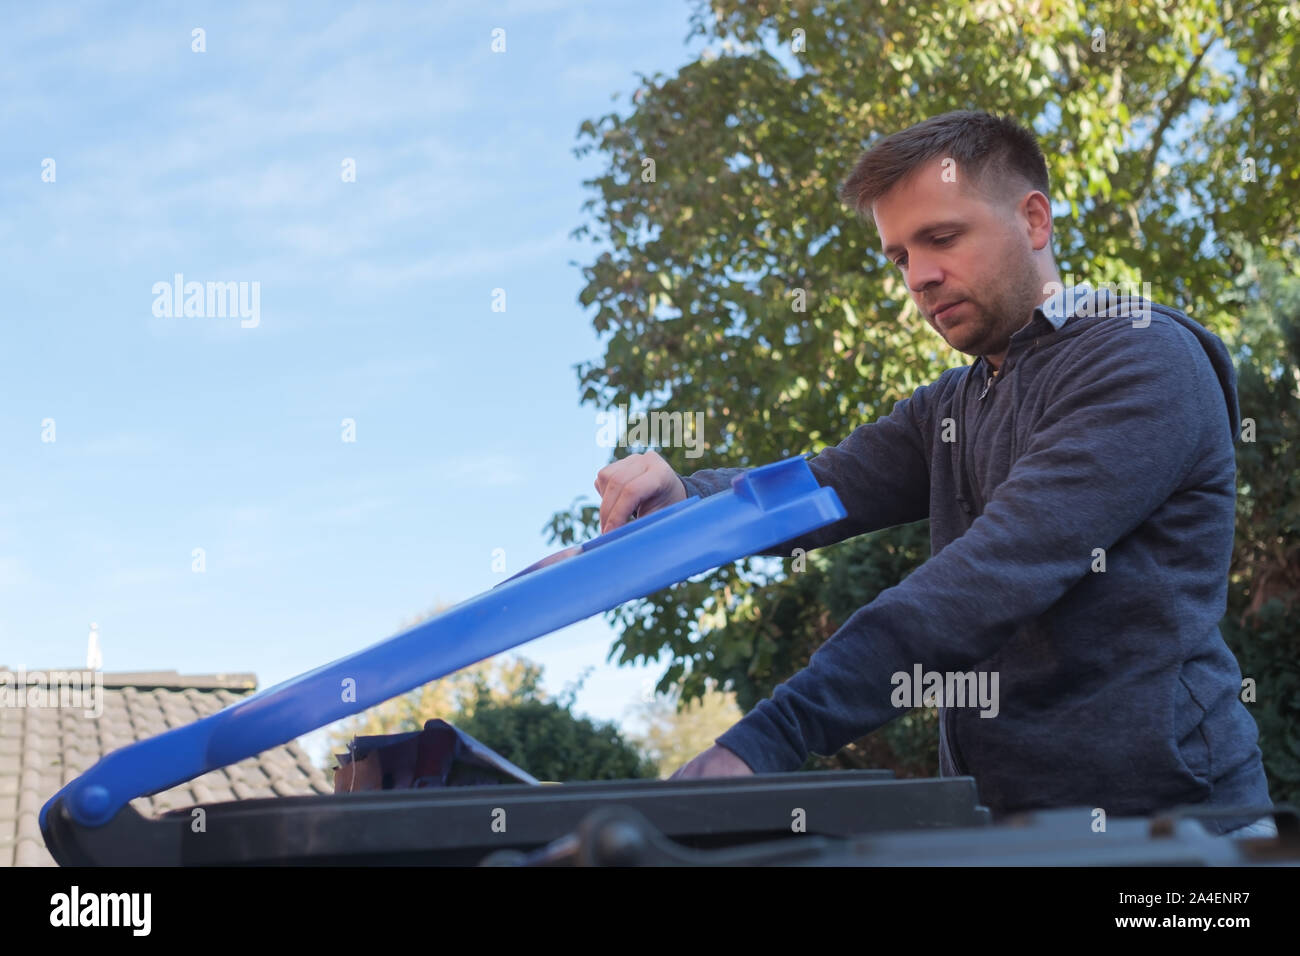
pixel 176 433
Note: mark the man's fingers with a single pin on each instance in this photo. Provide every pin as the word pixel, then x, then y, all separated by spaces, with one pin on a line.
pixel 629 498
pixel 625 486
pixel 717 761
pixel 602 478
pixel 612 480
pixel 605 475
pixel 615 472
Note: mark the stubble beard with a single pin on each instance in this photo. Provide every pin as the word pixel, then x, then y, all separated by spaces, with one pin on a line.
pixel 1012 310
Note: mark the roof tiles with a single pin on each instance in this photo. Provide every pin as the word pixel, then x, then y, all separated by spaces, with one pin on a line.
pixel 44 748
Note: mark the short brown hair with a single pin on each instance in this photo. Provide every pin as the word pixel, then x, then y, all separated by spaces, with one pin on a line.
pixel 985 147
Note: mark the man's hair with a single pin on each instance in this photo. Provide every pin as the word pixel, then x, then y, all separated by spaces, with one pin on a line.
pixel 995 154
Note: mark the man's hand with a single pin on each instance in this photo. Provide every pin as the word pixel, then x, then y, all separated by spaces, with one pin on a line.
pixel 717 761
pixel 636 485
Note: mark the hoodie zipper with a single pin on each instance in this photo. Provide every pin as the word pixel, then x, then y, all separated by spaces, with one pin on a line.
pixel 968 473
pixel 968 482
pixel 954 751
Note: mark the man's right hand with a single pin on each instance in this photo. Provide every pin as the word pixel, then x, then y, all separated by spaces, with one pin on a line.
pixel 636 485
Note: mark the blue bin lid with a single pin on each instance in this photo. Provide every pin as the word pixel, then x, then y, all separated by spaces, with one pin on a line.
pixel 765 506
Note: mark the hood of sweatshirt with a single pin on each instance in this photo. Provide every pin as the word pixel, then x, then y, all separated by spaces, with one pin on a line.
pixel 1220 360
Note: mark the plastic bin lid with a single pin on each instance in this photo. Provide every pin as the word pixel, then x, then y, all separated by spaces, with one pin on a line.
pixel 765 506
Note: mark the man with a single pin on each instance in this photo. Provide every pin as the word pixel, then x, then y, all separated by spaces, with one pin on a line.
pixel 1080 481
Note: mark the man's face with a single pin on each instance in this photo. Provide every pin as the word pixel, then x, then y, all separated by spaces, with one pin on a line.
pixel 954 244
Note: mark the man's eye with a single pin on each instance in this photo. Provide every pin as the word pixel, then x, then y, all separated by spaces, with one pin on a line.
pixel 944 240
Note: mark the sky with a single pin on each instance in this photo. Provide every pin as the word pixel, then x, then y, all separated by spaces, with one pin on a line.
pixel 270 489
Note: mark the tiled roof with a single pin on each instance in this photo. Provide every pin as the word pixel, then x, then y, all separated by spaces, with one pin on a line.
pixel 43 748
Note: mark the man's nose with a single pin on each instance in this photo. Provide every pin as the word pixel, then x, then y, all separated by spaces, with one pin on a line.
pixel 923 274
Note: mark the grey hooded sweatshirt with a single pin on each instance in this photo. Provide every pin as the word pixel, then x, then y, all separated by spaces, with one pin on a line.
pixel 1081 511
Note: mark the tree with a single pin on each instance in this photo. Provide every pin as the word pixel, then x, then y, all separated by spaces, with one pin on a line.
pixel 1263 621
pixel 546 739
pixel 499 702
pixel 730 279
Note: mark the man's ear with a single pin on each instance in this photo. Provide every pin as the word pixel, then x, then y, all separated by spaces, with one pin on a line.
pixel 1036 212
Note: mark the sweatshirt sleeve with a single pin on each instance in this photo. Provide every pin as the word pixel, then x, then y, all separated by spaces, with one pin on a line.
pixel 881 473
pixel 1079 485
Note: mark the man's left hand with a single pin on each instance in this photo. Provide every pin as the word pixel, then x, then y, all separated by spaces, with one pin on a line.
pixel 717 761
